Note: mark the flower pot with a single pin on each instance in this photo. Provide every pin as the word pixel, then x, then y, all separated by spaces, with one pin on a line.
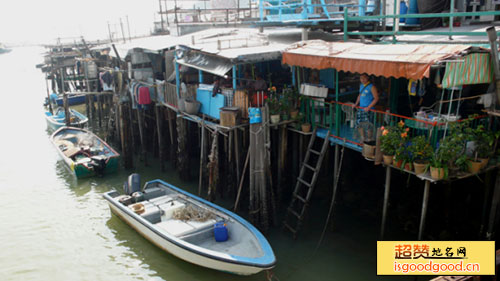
pixel 306 127
pixel 419 167
pixel 275 119
pixel 369 150
pixel 437 173
pixel 284 117
pixel 474 167
pixel 294 113
pixel 408 167
pixel 388 159
pixel 397 163
pixel 192 106
pixel 484 162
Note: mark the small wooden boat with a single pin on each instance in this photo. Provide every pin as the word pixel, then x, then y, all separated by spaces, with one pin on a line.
pixel 84 152
pixel 192 228
pixel 58 119
pixel 4 49
pixel 73 99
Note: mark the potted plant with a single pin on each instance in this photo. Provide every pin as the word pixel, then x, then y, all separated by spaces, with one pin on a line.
pixel 284 109
pixel 421 151
pixel 291 97
pixel 306 127
pixel 438 167
pixel 298 120
pixel 484 141
pixel 441 159
pixel 403 157
pixel 389 141
pixel 274 109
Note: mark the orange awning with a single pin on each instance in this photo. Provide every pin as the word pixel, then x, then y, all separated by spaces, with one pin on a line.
pixel 408 61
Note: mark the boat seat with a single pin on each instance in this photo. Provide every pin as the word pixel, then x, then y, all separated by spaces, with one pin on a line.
pixel 199 226
pixel 70 152
pixel 176 227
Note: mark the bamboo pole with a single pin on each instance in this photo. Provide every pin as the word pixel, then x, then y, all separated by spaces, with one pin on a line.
pixel 241 181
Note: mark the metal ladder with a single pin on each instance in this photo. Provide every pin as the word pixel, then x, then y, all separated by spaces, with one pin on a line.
pixel 297 208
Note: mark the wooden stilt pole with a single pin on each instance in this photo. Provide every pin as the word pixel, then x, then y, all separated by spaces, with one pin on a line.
pixel 425 202
pixel 213 175
pixel 140 122
pixel 132 130
pixel 493 218
pixel 99 109
pixel 202 155
pixel 237 154
pixel 241 181
pixel 182 153
pixel 87 106
pixel 124 134
pixel 48 96
pixel 386 200
pixel 159 125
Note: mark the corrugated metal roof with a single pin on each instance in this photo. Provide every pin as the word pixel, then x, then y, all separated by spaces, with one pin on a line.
pixel 247 45
pixel 409 61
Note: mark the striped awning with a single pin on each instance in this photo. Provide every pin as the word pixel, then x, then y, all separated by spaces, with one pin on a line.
pixel 474 69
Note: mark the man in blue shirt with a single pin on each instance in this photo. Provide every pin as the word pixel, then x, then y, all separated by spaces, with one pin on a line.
pixel 367 99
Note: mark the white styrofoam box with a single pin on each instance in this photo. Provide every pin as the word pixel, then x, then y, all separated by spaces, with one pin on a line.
pixel 169 208
pixel 314 91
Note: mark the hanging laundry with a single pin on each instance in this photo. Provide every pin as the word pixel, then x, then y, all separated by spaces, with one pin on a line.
pixel 106 79
pixel 144 96
pixel 422 88
pixel 412 87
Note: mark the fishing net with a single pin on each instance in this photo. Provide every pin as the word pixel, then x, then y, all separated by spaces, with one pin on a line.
pixel 192 213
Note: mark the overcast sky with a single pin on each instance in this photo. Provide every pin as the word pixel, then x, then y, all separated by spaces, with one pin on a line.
pixel 42 21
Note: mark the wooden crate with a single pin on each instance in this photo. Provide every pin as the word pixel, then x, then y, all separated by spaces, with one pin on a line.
pixel 241 100
pixel 229 118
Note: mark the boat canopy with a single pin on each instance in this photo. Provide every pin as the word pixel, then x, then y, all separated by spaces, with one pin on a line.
pixel 407 61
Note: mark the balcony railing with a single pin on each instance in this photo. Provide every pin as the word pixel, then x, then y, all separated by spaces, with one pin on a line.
pixel 340 119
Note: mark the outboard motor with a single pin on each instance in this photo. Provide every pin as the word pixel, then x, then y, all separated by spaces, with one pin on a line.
pixel 133 184
pixel 98 164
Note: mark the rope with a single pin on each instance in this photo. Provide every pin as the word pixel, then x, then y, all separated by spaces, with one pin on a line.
pixel 460 99
pixel 332 203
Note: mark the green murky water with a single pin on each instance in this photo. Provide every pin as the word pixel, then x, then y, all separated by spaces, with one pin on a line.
pixel 54 227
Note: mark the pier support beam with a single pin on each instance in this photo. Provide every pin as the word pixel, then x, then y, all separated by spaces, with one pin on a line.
pixel 493 218
pixel 159 128
pixel 386 200
pixel 182 151
pixel 425 202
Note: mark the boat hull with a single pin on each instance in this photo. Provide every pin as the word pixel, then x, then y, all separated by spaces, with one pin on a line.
pixel 72 100
pixel 82 170
pixel 180 252
pixel 248 252
pixel 55 124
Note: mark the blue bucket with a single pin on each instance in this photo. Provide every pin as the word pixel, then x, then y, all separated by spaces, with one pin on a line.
pixel 220 232
pixel 255 115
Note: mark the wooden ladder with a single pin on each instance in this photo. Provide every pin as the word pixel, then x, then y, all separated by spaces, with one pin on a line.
pixel 297 208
